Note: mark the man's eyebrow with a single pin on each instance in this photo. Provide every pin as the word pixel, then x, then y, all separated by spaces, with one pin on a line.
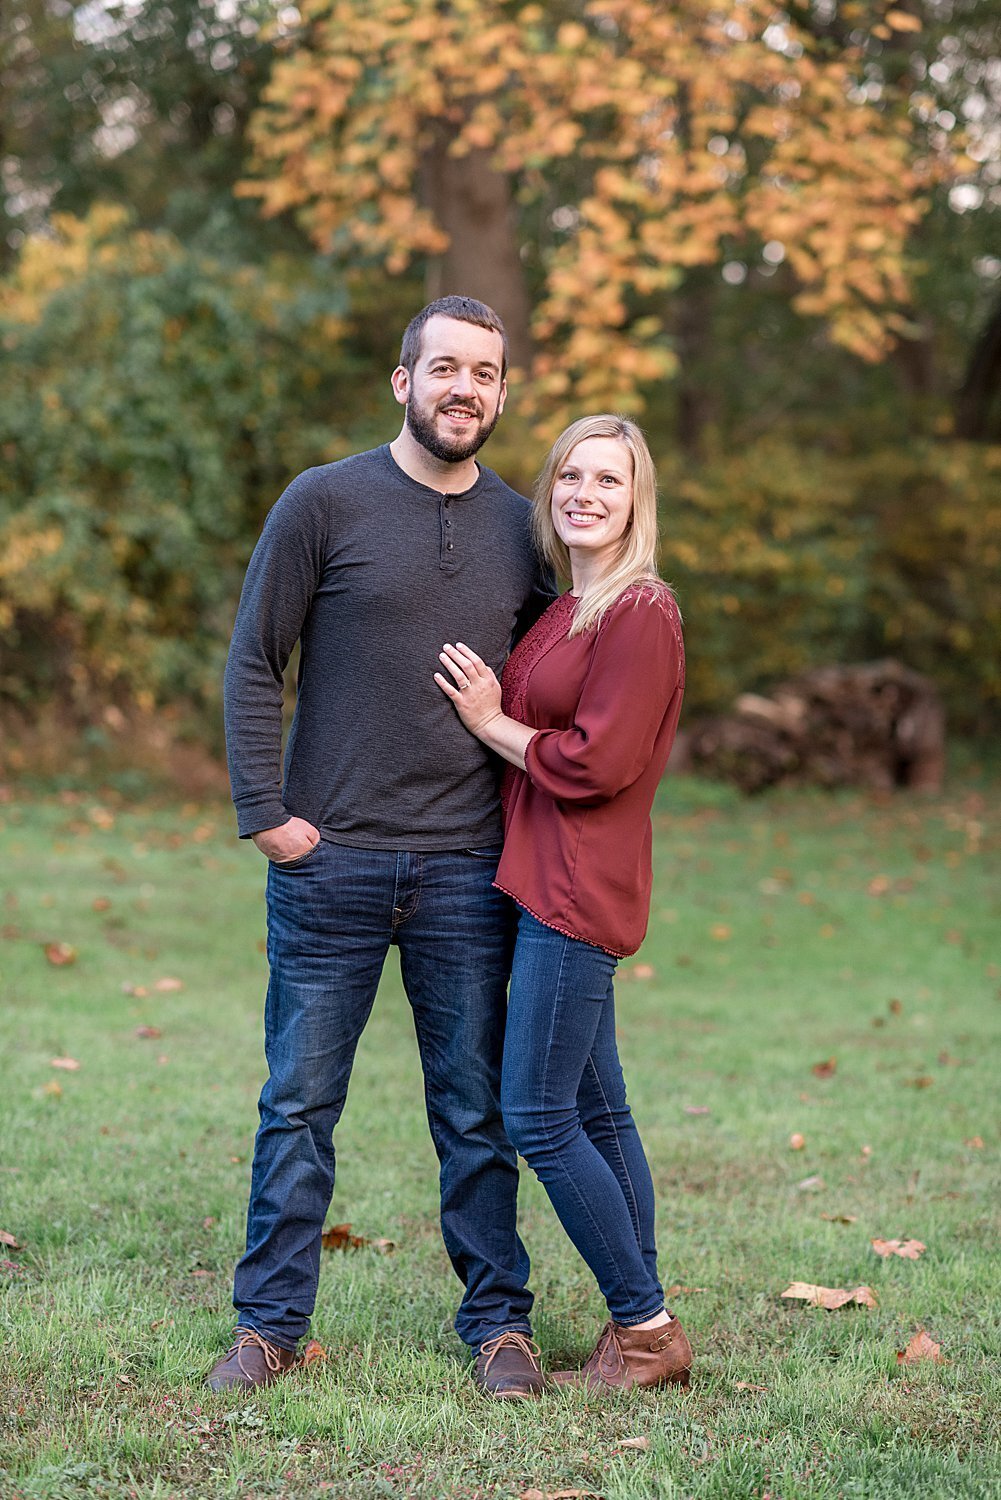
pixel 483 364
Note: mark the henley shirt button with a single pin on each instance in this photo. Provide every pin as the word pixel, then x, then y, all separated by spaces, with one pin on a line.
pixel 448 523
pixel 448 546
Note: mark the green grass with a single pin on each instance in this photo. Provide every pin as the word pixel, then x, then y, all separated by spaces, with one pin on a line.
pixel 785 931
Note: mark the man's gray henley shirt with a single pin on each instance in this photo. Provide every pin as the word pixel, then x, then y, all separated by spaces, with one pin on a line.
pixel 373 573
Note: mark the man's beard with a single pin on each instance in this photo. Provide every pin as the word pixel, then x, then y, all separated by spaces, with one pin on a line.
pixel 451 450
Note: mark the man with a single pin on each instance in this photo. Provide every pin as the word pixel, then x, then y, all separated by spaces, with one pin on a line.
pixel 386 830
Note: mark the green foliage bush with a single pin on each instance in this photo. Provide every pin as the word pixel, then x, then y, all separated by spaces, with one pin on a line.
pixel 786 558
pixel 154 404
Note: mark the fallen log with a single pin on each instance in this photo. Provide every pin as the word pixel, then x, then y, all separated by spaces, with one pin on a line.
pixel 872 724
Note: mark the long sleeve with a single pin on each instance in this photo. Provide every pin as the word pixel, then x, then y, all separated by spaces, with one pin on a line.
pixel 284 573
pixel 635 670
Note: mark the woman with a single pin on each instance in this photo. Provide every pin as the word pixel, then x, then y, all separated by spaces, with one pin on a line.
pixel 586 719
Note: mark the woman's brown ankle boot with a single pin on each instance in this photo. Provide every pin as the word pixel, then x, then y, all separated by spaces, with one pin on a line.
pixel 626 1357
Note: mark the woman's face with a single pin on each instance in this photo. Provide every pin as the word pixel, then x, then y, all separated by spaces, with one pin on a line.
pixel 592 499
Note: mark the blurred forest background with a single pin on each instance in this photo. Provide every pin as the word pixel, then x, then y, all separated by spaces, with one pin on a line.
pixel 770 232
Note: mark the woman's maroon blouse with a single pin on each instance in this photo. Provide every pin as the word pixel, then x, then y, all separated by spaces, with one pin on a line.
pixel 605 705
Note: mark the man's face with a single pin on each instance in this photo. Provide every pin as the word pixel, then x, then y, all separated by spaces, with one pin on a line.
pixel 455 394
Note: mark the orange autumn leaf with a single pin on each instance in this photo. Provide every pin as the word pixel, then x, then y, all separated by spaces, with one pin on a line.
pixel 148 1032
pixel 906 1249
pixel 825 1069
pixel 339 1237
pixel 167 984
pixel 830 1297
pixel 60 954
pixel 797 1141
pixel 921 1347
pixel 314 1353
pixel 68 1064
pixel 6 1238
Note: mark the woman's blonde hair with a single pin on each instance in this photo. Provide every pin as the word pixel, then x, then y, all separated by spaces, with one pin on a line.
pixel 636 562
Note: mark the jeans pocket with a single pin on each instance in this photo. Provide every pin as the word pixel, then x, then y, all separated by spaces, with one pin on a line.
pixel 492 851
pixel 297 862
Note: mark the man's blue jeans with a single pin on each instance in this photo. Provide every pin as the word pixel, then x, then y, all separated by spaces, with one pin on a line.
pixel 332 916
pixel 565 1110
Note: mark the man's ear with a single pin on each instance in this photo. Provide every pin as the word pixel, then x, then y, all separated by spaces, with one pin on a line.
pixel 502 398
pixel 400 381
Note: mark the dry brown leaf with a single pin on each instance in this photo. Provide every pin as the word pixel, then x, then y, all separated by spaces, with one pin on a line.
pixel 200 1271
pixel 696 1109
pixel 314 1353
pixel 642 1443
pixel 924 1082
pixel 138 990
pixel 865 1153
pixel 68 1064
pixel 746 1385
pixel 830 1297
pixel 53 1089
pixel 677 1290
pixel 810 1185
pixel 643 971
pixel 840 1218
pixel 922 1346
pixel 101 903
pixel 534 1494
pixel 168 983
pixel 906 1249
pixel 895 1006
pixel 8 1239
pixel 975 1143
pixel 60 953
pixel 339 1237
pixel 148 1031
pixel 719 932
pixel 796 1141
pixel 825 1069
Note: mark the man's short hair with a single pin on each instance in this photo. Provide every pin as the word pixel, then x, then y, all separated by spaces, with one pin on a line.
pixel 463 310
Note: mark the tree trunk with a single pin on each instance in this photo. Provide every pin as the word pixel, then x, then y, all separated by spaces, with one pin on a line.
pixel 976 399
pixel 471 202
pixel 693 333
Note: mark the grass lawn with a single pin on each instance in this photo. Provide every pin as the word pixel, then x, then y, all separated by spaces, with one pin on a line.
pixel 787 932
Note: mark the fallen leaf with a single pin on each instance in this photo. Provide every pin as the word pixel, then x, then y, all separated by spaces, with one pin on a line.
pixel 168 983
pixel 825 1069
pixel 906 1249
pixel 101 903
pixel 68 1064
pixel 810 1185
pixel 829 1296
pixel 865 1153
pixel 559 1495
pixel 797 1141
pixel 207 1223
pixel 879 885
pixel 921 1347
pixel 643 971
pixel 696 1109
pixel 339 1237
pixel 8 1239
pixel 642 1443
pixel 896 1006
pixel 975 1143
pixel 314 1353
pixel 679 1291
pixel 840 1218
pixel 719 932
pixel 200 1271
pixel 924 1082
pixel 139 990
pixel 148 1031
pixel 746 1385
pixel 60 953
pixel 53 1089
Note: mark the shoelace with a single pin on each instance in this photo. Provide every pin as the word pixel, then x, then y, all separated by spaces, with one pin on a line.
pixel 510 1339
pixel 250 1336
pixel 607 1342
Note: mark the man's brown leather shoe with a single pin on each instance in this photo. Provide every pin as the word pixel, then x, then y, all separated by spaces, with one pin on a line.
pixel 250 1362
pixel 627 1357
pixel 507 1367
